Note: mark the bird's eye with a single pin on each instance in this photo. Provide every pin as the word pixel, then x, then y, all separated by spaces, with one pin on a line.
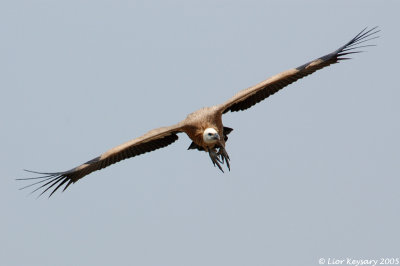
pixel 210 134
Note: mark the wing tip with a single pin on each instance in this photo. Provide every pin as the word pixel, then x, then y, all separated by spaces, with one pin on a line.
pixel 49 180
pixel 353 45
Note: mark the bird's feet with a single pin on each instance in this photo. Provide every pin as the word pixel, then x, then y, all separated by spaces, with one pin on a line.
pixel 224 156
pixel 219 158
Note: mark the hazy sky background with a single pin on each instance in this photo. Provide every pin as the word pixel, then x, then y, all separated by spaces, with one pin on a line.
pixel 315 168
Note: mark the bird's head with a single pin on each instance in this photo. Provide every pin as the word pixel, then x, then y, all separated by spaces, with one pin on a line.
pixel 210 136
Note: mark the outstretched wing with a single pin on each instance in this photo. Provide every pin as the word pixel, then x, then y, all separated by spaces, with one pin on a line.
pixel 250 96
pixel 152 140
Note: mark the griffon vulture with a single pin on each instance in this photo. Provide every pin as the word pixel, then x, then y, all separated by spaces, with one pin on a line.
pixel 204 127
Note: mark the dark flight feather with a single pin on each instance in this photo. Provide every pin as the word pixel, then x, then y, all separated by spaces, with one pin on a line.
pixel 162 137
pixel 250 96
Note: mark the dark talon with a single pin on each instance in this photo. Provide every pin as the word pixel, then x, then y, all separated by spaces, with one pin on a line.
pixel 219 158
pixel 215 159
pixel 225 155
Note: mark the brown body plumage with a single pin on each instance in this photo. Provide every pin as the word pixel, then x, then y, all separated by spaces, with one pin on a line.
pixel 204 127
pixel 197 122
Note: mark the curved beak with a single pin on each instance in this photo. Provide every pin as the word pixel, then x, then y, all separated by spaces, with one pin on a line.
pixel 216 136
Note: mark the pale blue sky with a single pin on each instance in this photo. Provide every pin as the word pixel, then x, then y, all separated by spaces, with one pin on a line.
pixel 315 168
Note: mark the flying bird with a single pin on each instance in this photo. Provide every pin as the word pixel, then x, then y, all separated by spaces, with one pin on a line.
pixel 204 127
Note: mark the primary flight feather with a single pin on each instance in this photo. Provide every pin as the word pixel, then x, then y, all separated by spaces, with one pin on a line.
pixel 204 127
